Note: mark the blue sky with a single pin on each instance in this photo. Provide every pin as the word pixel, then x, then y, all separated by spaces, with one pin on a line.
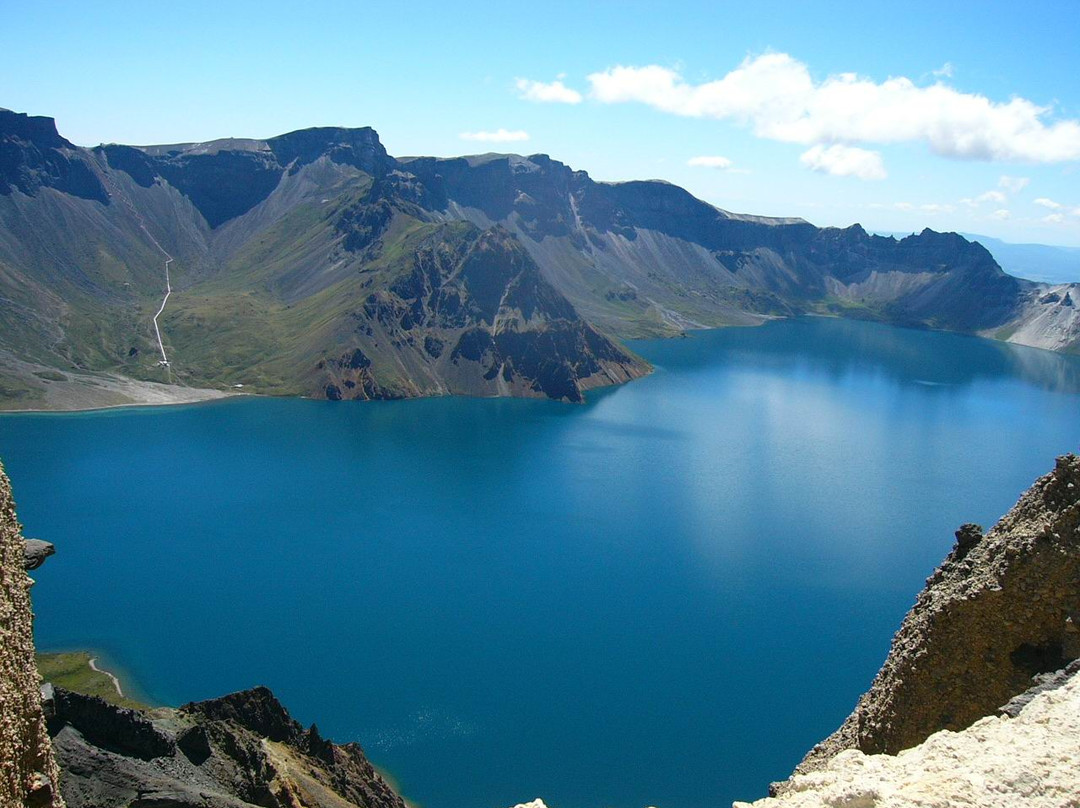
pixel 895 115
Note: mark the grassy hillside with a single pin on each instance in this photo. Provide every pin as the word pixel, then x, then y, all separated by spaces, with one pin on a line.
pixel 72 670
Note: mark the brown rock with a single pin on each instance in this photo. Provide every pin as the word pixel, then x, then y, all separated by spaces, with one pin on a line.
pixel 998 612
pixel 28 775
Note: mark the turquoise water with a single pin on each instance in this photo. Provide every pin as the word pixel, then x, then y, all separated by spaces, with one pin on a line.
pixel 663 597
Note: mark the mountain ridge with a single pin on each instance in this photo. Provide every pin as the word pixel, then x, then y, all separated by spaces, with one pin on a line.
pixel 281 243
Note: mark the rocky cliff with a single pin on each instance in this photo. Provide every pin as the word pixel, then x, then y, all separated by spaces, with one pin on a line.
pixel 33 155
pixel 28 774
pixel 1024 757
pixel 238 751
pixel 1002 611
pixel 1048 317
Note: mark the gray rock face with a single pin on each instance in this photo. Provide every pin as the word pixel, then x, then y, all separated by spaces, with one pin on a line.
pixel 1000 612
pixel 234 752
pixel 35 551
pixel 127 732
pixel 33 156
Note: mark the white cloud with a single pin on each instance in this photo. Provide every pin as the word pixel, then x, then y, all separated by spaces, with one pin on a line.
pixel 777 98
pixel 991 196
pixel 935 207
pixel 1014 185
pixel 710 162
pixel 717 162
pixel 945 71
pixel 1054 218
pixel 1047 203
pixel 929 208
pixel 498 136
pixel 1001 214
pixel 844 161
pixel 554 92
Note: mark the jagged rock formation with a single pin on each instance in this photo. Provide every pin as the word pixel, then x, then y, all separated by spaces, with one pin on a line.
pixel 1003 608
pixel 295 252
pixel 28 774
pixel 467 310
pixel 1028 759
pixel 238 751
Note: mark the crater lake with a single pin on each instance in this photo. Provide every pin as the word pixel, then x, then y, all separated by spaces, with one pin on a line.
pixel 662 597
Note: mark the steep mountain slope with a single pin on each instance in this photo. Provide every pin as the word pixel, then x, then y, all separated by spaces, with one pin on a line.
pixel 1048 317
pixel 296 257
pixel 645 258
pixel 300 268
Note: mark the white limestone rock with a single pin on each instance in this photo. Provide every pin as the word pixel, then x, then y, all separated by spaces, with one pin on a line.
pixel 999 762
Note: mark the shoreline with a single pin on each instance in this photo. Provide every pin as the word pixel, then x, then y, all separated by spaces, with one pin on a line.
pixel 47 389
pixel 179 402
pixel 92 662
pixel 391 780
pixel 189 396
pixel 88 664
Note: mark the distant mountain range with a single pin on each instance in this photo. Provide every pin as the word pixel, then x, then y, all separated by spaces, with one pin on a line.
pixel 316 264
pixel 1045 263
pixel 1037 262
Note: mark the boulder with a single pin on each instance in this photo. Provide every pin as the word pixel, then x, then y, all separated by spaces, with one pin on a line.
pixel 35 551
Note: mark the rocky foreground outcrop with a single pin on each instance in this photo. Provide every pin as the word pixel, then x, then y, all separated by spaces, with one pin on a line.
pixel 1028 759
pixel 28 773
pixel 233 752
pixel 1002 608
pixel 1000 614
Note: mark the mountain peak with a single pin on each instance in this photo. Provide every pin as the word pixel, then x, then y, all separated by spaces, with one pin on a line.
pixel 359 147
pixel 34 155
pixel 37 129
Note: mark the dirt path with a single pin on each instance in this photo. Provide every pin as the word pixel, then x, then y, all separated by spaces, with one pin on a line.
pixel 168 260
pixel 168 291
